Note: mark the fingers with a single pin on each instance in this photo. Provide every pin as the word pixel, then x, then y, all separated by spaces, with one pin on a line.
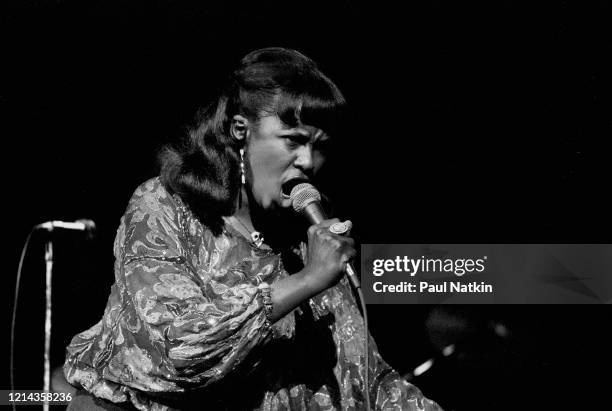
pixel 341 228
pixel 349 226
pixel 321 227
pixel 340 242
pixel 328 223
pixel 344 245
pixel 329 252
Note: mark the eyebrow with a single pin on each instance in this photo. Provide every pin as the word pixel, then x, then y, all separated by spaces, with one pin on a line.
pixel 320 135
pixel 296 130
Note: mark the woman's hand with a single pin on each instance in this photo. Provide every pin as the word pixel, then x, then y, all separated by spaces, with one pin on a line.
pixel 327 256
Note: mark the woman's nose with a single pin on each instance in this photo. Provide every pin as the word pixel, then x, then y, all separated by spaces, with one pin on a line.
pixel 305 160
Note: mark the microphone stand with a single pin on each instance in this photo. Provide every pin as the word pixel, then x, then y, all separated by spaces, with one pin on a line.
pixel 49 226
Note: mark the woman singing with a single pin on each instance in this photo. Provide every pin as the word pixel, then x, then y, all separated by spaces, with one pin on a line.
pixel 218 301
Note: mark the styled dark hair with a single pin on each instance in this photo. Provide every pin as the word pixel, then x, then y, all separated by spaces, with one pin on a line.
pixel 204 169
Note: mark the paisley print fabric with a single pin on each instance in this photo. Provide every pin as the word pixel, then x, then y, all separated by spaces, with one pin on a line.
pixel 185 327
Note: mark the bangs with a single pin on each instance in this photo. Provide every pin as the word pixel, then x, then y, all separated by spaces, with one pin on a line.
pixel 327 112
pixel 287 84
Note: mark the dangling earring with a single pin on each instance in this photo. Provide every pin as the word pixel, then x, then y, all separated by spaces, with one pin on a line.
pixel 242 166
pixel 242 178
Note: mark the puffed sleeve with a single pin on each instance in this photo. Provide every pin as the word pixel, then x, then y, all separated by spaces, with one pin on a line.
pixel 176 319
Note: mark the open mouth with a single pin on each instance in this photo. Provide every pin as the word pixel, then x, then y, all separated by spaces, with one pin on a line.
pixel 288 186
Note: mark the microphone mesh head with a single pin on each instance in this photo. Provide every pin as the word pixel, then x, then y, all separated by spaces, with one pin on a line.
pixel 302 195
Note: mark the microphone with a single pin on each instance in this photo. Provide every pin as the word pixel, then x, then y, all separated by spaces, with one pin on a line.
pixel 306 200
pixel 80 225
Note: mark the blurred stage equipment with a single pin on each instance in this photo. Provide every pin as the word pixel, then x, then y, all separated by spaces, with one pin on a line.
pixel 88 226
pixel 81 225
pixel 499 329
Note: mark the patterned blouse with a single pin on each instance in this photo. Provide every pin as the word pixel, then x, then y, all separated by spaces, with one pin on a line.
pixel 185 327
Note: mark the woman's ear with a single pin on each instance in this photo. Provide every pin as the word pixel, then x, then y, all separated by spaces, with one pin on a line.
pixel 239 127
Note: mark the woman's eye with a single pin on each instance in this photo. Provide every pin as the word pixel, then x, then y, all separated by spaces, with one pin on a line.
pixel 297 140
pixel 291 144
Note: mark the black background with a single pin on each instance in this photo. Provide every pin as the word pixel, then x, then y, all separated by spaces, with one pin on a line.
pixel 472 123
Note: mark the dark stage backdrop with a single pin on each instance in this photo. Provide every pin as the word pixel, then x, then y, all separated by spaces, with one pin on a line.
pixel 472 123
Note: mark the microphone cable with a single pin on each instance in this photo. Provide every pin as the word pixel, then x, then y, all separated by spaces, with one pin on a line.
pixel 367 348
pixel 14 314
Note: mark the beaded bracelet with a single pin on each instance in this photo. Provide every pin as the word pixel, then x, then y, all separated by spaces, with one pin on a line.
pixel 265 290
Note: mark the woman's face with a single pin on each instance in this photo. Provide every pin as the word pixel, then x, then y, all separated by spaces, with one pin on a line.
pixel 277 153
